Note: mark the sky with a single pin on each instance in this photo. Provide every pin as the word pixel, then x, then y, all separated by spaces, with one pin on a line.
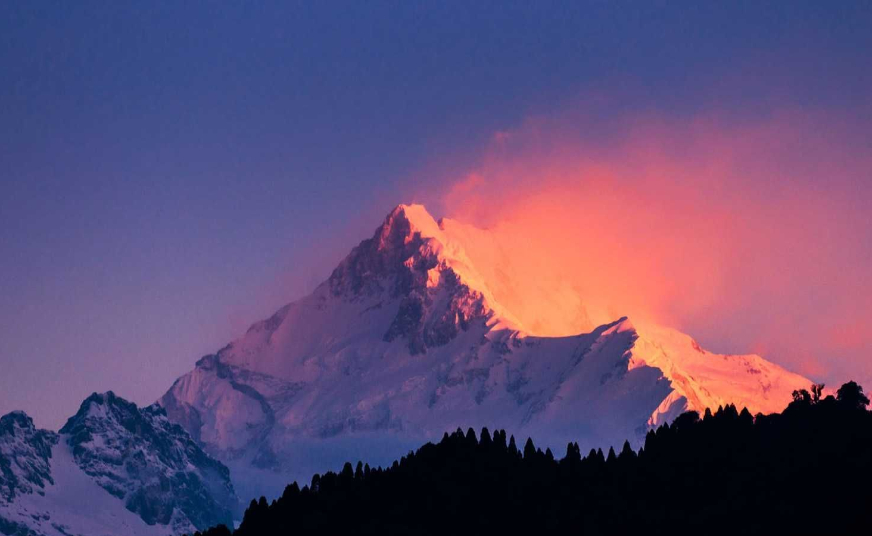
pixel 172 172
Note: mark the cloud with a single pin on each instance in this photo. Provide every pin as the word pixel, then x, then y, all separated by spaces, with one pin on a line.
pixel 747 233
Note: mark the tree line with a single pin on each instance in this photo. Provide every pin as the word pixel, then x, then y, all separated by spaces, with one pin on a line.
pixel 804 471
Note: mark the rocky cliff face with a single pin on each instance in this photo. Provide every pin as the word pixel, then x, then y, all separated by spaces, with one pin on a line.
pixel 401 262
pixel 25 456
pixel 113 468
pixel 153 465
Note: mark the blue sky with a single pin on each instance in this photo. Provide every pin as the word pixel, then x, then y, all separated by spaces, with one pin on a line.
pixel 173 171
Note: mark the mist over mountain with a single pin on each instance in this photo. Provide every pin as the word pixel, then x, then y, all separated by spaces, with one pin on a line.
pixel 726 472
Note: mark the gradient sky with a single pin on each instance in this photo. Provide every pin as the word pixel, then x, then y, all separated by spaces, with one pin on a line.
pixel 171 172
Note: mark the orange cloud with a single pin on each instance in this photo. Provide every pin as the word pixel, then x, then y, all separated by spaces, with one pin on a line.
pixel 743 233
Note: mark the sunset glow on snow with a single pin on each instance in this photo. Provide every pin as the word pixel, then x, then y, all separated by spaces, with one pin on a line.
pixel 681 222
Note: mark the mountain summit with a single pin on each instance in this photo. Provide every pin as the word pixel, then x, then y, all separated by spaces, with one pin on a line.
pixel 417 332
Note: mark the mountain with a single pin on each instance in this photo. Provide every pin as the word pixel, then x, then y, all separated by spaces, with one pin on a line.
pixel 421 329
pixel 113 469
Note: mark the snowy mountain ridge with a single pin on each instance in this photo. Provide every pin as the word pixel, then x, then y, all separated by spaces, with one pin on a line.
pixel 113 468
pixel 411 336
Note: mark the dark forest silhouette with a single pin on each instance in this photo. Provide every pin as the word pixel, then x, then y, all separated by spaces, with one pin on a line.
pixel 804 471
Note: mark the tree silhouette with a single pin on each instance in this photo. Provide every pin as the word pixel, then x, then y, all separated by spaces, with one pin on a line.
pixel 728 473
pixel 529 449
pixel 851 395
pixel 802 397
pixel 817 391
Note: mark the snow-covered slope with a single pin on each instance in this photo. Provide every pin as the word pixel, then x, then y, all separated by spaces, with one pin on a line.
pixel 113 469
pixel 72 504
pixel 413 335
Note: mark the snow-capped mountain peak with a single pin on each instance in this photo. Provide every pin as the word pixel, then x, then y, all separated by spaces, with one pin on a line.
pixel 411 336
pixel 410 255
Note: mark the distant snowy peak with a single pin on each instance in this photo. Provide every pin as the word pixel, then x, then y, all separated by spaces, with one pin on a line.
pixel 44 493
pixel 113 469
pixel 139 456
pixel 25 456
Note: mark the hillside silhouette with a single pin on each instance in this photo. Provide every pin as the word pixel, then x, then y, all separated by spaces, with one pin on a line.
pixel 804 471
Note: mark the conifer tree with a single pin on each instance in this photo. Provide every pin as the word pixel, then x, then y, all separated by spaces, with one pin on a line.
pixel 529 449
pixel 513 449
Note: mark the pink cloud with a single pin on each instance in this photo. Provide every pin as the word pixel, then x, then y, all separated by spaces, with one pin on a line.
pixel 747 234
